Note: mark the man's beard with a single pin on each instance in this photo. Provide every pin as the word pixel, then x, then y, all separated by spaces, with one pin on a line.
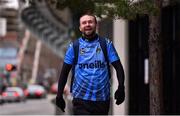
pixel 89 35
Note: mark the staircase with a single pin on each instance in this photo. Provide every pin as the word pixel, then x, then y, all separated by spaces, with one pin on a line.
pixel 42 24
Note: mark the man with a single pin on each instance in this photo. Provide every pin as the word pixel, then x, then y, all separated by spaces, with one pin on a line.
pixel 91 82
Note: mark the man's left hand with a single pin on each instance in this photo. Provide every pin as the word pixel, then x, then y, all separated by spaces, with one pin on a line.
pixel 119 95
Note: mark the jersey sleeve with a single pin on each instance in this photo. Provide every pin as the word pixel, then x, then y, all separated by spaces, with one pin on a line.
pixel 112 53
pixel 69 55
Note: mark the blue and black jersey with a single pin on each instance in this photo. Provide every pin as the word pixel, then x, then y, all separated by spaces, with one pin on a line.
pixel 91 79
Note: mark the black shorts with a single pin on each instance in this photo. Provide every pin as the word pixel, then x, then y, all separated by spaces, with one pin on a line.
pixel 86 107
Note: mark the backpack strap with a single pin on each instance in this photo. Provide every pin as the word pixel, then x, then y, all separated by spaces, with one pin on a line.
pixel 76 53
pixel 103 45
pixel 76 50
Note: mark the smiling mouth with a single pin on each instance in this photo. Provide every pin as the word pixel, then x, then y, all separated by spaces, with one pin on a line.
pixel 88 29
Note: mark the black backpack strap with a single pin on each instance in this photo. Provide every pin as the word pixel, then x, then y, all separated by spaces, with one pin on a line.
pixel 76 52
pixel 103 45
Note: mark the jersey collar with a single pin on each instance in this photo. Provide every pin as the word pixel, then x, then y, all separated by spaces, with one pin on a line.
pixel 90 40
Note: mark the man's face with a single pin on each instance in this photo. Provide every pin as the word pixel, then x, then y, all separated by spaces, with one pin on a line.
pixel 87 25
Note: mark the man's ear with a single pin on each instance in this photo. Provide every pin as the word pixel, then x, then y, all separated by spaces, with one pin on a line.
pixel 80 29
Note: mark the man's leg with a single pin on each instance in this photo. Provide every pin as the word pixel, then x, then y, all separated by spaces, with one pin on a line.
pixel 85 107
pixel 80 107
pixel 100 107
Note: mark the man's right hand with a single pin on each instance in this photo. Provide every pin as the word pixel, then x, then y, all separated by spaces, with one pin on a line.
pixel 60 103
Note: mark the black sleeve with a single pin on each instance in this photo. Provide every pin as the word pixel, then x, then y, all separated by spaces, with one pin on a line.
pixel 63 78
pixel 119 71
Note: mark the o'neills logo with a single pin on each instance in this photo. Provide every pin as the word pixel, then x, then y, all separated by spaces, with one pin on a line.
pixel 96 64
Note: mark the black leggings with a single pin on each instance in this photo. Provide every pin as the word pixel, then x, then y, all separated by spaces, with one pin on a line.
pixel 86 107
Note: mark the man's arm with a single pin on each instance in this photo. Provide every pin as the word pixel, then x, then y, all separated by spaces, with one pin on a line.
pixel 119 71
pixel 61 84
pixel 120 92
pixel 63 78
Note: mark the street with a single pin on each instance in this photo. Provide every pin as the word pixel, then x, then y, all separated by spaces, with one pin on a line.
pixel 30 107
pixel 35 107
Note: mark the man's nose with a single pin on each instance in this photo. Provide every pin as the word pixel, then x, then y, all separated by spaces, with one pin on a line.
pixel 87 24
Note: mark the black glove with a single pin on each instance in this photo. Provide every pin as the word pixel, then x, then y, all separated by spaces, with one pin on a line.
pixel 60 103
pixel 119 95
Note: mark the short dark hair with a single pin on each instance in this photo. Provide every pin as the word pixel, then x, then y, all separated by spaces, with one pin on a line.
pixel 90 14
